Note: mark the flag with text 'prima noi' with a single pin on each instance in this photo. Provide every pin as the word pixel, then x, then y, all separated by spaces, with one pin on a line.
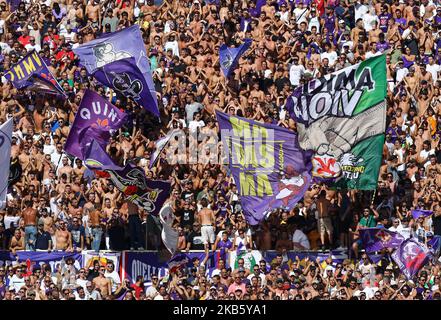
pixel 268 166
pixel 377 239
pixel 122 44
pixel 341 117
pixel 95 119
pixel 229 57
pixel 5 158
pixel 32 73
pixel 410 257
pixel 124 77
pixel 417 213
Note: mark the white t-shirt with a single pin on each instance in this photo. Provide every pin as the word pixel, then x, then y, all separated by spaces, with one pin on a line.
pixel 360 11
pixel 17 282
pixel 295 73
pixel 433 69
pixel 193 125
pixel 172 45
pixel 332 57
pixel 116 280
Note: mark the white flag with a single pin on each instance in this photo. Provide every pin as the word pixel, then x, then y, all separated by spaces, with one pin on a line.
pixel 5 159
pixel 169 235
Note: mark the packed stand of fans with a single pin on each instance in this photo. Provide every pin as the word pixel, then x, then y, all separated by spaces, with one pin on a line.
pixel 59 205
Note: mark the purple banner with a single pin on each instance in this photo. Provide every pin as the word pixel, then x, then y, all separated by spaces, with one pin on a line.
pixel 410 257
pixel 178 261
pixel 147 194
pixel 37 258
pixel 32 73
pixel 336 255
pixel 147 264
pixel 115 46
pixel 95 118
pixel 417 213
pixel 268 166
pixel 377 239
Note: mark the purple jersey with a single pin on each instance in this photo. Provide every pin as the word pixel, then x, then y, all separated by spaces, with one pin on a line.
pixel 382 46
pixel 401 24
pixel 384 21
pixel 437 19
pixel 330 23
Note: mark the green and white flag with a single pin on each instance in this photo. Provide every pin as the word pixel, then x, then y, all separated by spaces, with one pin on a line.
pixel 341 117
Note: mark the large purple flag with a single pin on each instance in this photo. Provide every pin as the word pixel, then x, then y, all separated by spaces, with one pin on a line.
pixel 32 73
pixel 96 158
pixel 377 239
pixel 95 118
pixel 421 213
pixel 115 46
pixel 229 57
pixel 268 166
pixel 147 194
pixel 160 145
pixel 410 257
pixel 125 77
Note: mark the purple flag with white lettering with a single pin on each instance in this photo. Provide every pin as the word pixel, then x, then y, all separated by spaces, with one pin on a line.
pixel 96 158
pixel 377 239
pixel 410 257
pixel 147 194
pixel 229 57
pixel 124 77
pixel 160 145
pixel 94 120
pixel 417 213
pixel 115 46
pixel 268 166
pixel 32 73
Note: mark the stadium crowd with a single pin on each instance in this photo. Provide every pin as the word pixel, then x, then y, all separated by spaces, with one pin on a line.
pixel 57 204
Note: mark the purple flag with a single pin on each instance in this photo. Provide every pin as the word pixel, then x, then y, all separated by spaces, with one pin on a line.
pixel 229 57
pixel 421 213
pixel 410 257
pixel 95 118
pixel 125 78
pixel 97 158
pixel 115 46
pixel 147 194
pixel 32 73
pixel 377 239
pixel 268 166
pixel 177 261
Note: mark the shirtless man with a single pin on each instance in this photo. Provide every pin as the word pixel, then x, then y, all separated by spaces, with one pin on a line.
pixel 103 283
pixel 95 216
pixel 207 220
pixel 93 12
pixel 65 168
pixel 74 209
pixel 80 169
pixel 63 238
pixel 324 222
pixel 48 221
pixel 17 242
pixel 30 222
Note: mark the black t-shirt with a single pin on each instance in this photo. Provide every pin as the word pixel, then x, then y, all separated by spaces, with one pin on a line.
pixel 187 217
pixel 195 239
pixel 77 232
pixel 42 242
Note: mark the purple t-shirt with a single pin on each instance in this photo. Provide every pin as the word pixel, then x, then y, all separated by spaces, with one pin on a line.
pixel 382 46
pixel 330 23
pixel 401 22
pixel 384 21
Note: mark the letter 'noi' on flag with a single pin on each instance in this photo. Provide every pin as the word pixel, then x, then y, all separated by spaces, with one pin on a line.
pixel 341 117
pixel 95 119
pixel 268 166
pixel 32 73
pixel 122 44
pixel 229 57
pixel 410 257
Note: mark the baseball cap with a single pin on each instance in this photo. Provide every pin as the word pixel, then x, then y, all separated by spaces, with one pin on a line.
pixel 341 21
pixel 196 288
pixel 213 288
